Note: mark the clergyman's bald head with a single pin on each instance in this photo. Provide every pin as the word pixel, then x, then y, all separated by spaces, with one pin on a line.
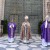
pixel 26 17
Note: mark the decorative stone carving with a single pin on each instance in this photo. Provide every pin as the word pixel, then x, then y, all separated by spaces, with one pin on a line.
pixel 48 7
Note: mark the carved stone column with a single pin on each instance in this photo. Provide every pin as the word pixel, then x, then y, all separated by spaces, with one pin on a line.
pixel 2 3
pixel 46 8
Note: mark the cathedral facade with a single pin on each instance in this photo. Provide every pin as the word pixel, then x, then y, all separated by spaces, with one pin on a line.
pixel 17 9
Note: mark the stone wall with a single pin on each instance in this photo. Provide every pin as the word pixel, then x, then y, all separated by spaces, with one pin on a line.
pixel 29 7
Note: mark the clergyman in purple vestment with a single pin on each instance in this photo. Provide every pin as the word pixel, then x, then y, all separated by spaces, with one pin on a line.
pixel 45 33
pixel 11 31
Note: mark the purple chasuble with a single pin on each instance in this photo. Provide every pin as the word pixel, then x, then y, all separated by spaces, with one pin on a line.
pixel 45 32
pixel 11 31
pixel 48 32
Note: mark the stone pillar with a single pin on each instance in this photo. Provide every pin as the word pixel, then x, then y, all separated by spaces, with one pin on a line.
pixel 45 8
pixel 2 3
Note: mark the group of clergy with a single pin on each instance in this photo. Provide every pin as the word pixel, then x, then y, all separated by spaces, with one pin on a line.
pixel 25 33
